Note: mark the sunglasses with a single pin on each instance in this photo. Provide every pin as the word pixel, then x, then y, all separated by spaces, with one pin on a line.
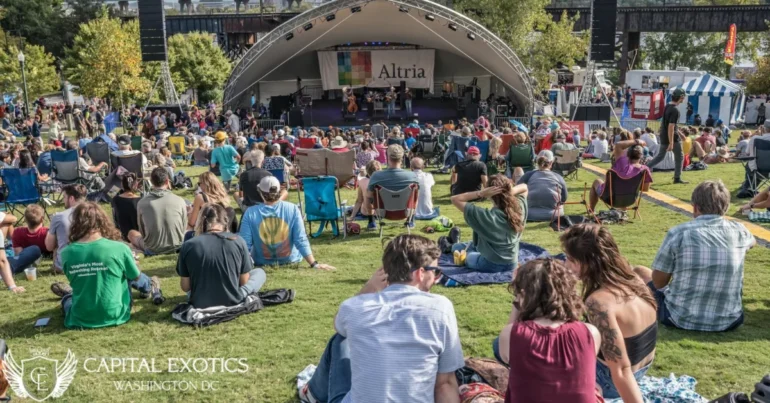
pixel 435 269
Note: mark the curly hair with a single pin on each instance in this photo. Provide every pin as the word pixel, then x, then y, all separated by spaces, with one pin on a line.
pixel 602 266
pixel 547 290
pixel 88 218
pixel 507 202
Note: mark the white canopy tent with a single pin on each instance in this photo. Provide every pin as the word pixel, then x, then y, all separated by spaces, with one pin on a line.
pixel 711 95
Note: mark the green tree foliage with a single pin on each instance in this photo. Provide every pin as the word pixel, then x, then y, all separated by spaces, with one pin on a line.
pixel 105 60
pixel 196 62
pixel 511 20
pixel 555 44
pixel 38 66
pixel 759 82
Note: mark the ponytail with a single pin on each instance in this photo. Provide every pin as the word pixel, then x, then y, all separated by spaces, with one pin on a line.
pixel 542 163
pixel 129 182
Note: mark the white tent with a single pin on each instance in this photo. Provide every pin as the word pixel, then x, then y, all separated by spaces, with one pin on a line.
pixel 711 95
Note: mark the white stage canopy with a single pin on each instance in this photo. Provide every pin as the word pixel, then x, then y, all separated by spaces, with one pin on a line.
pixel 296 46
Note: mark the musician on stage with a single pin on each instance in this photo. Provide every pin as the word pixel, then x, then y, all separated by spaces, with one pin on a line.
pixel 370 97
pixel 390 99
pixel 408 102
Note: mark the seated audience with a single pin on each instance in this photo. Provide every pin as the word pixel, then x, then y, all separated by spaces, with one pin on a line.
pixel 626 165
pixel 58 233
pixel 649 138
pixel 546 189
pixel 251 177
pixel 469 175
pixel 362 203
pixel 619 304
pixel 426 182
pixel 275 161
pixel 515 158
pixel 366 154
pixel 561 144
pixel 742 148
pixel 550 352
pixel 124 205
pixel 339 145
pixel 162 218
pixel 599 145
pixel 9 266
pixel 697 275
pixel 497 230
pixel 215 266
pixel 393 177
pixel 274 230
pixel 33 234
pixel 201 155
pixel 225 157
pixel 409 358
pixel 88 171
pixel 97 266
pixel 211 192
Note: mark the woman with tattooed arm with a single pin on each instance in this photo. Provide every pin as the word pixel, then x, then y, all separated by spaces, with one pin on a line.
pixel 619 304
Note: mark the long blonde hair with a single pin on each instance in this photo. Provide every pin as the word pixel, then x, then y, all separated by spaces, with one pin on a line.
pixel 213 188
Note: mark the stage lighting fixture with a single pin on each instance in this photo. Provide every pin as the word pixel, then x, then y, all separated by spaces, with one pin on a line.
pixel 308 26
pixel 453 27
pixel 289 36
pixel 471 36
pixel 403 9
pixel 330 17
pixel 355 9
pixel 430 17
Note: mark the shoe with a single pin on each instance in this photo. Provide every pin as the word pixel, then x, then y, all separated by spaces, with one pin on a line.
pixel 454 235
pixel 157 295
pixel 305 395
pixel 61 289
pixel 444 245
pixel 410 224
pixel 680 182
pixel 372 226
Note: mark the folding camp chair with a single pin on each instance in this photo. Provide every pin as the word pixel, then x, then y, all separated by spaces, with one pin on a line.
pixel 99 151
pixel 325 162
pixel 520 156
pixel 176 145
pixel 395 204
pixel 560 203
pixel 306 142
pixel 22 189
pixel 412 132
pixel 281 175
pixel 567 163
pixel 455 153
pixel 322 205
pixel 483 147
pixel 66 168
pixel 760 177
pixel 622 193
pixel 428 148
pixel 133 163
pixel 136 143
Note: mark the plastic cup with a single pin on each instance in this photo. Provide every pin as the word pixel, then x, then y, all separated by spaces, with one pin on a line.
pixel 31 273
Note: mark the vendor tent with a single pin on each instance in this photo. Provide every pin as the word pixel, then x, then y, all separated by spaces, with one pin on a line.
pixel 711 95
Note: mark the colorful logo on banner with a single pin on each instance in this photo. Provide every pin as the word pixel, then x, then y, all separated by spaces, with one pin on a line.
pixel 354 68
pixel 730 47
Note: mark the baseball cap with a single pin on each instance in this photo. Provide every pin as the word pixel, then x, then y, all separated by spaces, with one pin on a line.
pixel 124 140
pixel 395 152
pixel 547 155
pixel 220 136
pixel 473 150
pixel 268 183
pixel 678 93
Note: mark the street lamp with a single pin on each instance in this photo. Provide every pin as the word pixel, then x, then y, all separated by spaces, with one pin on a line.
pixel 24 79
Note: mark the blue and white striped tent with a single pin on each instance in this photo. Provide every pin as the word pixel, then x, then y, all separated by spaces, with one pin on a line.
pixel 711 95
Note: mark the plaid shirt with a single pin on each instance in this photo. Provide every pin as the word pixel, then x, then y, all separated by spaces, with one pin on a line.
pixel 705 257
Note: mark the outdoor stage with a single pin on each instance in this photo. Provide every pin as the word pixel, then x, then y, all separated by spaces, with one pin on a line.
pixel 329 113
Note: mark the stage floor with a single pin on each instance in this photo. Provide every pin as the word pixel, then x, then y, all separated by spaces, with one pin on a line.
pixel 328 113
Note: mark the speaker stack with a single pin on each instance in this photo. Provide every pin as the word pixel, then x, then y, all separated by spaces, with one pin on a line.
pixel 152 30
pixel 603 25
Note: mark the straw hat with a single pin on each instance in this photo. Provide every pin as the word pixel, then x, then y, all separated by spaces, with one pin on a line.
pixel 339 142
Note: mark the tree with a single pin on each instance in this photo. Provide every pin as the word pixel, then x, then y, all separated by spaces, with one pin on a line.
pixel 38 67
pixel 759 82
pixel 199 63
pixel 105 60
pixel 512 21
pixel 556 43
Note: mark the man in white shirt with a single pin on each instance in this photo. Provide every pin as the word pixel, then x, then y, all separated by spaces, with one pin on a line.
pixel 652 142
pixel 395 341
pixel 233 121
pixel 600 145
pixel 425 181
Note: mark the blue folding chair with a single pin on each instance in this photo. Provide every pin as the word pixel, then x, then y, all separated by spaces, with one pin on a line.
pixel 322 205
pixel 21 186
pixel 279 174
pixel 483 147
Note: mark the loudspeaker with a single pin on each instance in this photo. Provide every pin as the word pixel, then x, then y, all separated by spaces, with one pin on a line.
pixel 591 112
pixel 472 111
pixel 295 117
pixel 152 30
pixel 603 21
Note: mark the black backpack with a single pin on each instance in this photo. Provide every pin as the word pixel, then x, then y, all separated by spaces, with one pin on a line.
pixel 181 181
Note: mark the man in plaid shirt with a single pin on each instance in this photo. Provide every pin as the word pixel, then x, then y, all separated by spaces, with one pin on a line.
pixel 698 272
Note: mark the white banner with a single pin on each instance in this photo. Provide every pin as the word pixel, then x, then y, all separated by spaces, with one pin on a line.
pixel 376 68
pixel 642 104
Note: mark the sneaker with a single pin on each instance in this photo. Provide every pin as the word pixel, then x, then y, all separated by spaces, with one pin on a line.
pixel 305 395
pixel 372 226
pixel 444 244
pixel 454 235
pixel 680 182
pixel 409 224
pixel 157 295
pixel 61 289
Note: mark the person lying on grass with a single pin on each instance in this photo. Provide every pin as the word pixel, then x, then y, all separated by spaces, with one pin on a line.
pixel 215 268
pixel 497 230
pixel 99 266
pixel 550 352
pixel 395 341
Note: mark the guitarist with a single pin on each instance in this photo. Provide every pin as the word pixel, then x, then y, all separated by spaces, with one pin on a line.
pixel 390 99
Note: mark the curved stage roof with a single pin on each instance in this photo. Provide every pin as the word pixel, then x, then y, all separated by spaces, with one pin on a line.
pixel 382 21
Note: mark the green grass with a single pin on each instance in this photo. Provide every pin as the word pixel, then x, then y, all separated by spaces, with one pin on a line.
pixel 280 341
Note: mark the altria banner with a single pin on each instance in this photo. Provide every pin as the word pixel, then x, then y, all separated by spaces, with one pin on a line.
pixel 376 68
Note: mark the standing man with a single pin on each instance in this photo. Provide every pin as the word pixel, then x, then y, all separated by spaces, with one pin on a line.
pixel 390 98
pixel 669 139
pixel 408 102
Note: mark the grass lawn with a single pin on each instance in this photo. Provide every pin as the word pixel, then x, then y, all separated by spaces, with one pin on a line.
pixel 278 342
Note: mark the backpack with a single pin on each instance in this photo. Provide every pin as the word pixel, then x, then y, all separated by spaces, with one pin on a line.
pixel 181 181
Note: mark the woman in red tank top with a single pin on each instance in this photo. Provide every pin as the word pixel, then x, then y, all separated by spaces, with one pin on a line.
pixel 552 354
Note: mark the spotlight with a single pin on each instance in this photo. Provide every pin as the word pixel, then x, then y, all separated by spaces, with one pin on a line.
pixel 403 9
pixel 356 9
pixel 430 17
pixel 453 27
pixel 471 36
pixel 289 36
pixel 330 17
pixel 308 26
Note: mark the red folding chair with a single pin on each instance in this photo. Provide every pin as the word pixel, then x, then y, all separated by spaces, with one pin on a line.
pixel 412 131
pixel 306 142
pixel 395 205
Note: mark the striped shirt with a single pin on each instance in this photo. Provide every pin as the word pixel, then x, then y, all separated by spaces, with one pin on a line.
pixel 705 257
pixel 399 340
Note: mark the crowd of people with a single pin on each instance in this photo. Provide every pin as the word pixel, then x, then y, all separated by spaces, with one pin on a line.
pixel 598 339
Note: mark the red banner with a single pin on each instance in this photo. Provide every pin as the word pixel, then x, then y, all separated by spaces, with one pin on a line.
pixel 730 47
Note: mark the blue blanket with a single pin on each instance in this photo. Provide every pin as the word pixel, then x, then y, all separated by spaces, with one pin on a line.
pixel 461 275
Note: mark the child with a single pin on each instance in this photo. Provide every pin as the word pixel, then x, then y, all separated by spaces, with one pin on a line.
pixel 362 204
pixel 33 234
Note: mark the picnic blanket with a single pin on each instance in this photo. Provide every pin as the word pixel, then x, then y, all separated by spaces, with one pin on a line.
pixel 759 216
pixel 457 276
pixel 668 390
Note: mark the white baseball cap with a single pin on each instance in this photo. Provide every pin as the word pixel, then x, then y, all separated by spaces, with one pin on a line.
pixel 268 183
